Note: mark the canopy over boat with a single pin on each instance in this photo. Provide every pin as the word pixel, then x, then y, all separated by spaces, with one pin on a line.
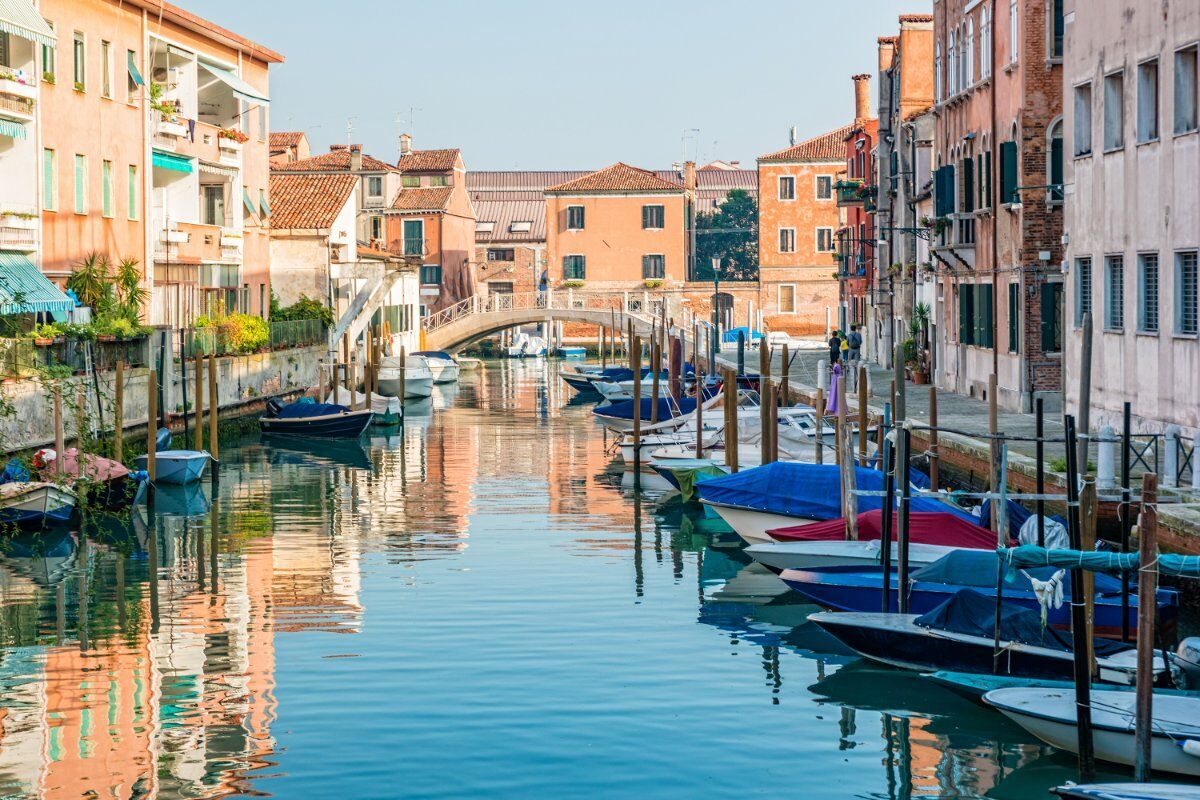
pixel 302 410
pixel 667 408
pixel 978 568
pixel 94 468
pixel 924 527
pixel 1103 562
pixel 811 491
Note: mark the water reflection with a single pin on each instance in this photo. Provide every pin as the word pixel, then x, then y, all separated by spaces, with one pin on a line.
pixel 471 602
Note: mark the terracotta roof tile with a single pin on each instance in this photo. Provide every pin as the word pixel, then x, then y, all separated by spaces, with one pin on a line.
pixel 916 18
pixel 617 178
pixel 826 147
pixel 309 201
pixel 334 161
pixel 286 138
pixel 422 198
pixel 429 160
pixel 366 250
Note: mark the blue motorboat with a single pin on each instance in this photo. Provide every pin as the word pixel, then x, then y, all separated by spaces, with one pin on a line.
pixel 572 352
pixel 320 420
pixel 35 504
pixel 850 588
pixel 177 466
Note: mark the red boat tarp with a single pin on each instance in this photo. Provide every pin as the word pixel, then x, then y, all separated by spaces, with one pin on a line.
pixel 925 527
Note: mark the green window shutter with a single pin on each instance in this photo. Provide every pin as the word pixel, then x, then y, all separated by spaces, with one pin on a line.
pixel 48 173
pixel 966 313
pixel 106 179
pixel 80 184
pixel 133 192
pixel 1049 317
pixel 984 315
pixel 1056 168
pixel 986 181
pixel 1008 173
pixel 1014 317
pixel 248 203
pixel 968 184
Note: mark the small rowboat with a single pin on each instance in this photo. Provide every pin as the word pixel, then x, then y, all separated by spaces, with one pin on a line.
pixel 322 420
pixel 177 466
pixel 34 504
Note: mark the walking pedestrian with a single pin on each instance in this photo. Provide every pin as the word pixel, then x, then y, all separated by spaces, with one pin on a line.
pixel 835 347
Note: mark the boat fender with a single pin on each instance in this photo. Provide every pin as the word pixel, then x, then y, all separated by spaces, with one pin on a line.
pixel 1191 747
pixel 140 475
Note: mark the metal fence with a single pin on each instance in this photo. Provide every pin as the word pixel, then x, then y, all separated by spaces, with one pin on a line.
pixel 215 340
pixel 21 358
pixel 297 333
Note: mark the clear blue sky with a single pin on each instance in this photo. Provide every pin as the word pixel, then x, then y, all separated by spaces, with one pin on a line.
pixel 558 85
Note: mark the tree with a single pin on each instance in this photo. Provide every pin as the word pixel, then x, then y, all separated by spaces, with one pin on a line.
pixel 731 234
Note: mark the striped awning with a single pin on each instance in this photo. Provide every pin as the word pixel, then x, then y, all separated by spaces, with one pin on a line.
pixel 216 169
pixel 20 18
pixel 171 161
pixel 25 290
pixel 12 129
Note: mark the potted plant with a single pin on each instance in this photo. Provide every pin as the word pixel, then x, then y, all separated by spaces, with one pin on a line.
pixel 44 335
pixel 653 283
pixel 572 283
pixel 228 135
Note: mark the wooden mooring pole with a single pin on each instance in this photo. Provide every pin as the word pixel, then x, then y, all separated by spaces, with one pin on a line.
pixel 60 434
pixel 635 364
pixel 214 413
pixel 199 403
pixel 934 478
pixel 151 428
pixel 1083 672
pixel 1143 727
pixel 119 413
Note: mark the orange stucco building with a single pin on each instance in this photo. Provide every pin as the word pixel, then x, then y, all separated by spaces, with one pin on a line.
pixel 154 146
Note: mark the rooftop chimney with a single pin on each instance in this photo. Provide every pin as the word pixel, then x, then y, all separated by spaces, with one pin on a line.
pixel 356 158
pixel 735 164
pixel 689 175
pixel 792 137
pixel 405 144
pixel 887 51
pixel 862 97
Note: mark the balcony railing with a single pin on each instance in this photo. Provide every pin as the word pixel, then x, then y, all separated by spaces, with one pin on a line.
pixel 847 193
pixel 414 247
pixel 23 239
pixel 16 108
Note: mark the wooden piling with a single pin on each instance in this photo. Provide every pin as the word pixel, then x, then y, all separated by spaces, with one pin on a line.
pixel 864 395
pixel 1143 727
pixel 656 368
pixel 818 452
pixel 764 401
pixel 1087 542
pixel 731 431
pixel 60 435
pixel 151 428
pixel 214 412
pixel 1082 670
pixel 635 363
pixel 784 387
pixel 199 403
pixel 934 481
pixel 993 447
pixel 600 347
pixel 846 459
pixel 119 413
pixel 901 481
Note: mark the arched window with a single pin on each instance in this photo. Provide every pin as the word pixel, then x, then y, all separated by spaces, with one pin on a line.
pixel 969 61
pixel 937 72
pixel 985 43
pixel 962 59
pixel 952 66
pixel 1054 164
pixel 1013 43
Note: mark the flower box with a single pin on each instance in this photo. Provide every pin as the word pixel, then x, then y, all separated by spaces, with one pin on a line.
pixel 17 89
pixel 43 341
pixel 171 128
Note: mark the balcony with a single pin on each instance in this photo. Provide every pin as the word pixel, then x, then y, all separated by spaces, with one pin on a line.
pixel 17 100
pixel 21 239
pixel 847 193
pixel 414 248
pixel 189 243
pixel 231 245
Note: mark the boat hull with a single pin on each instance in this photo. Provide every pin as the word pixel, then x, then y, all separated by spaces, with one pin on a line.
pixel 752 525
pixel 414 388
pixel 807 555
pixel 37 505
pixel 579 383
pixel 443 371
pixel 178 466
pixel 330 426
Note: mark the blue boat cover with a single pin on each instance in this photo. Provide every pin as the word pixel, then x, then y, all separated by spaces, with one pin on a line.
pixel 14 472
pixel 731 336
pixel 667 408
pixel 811 491
pixel 978 568
pixel 302 410
pixel 434 354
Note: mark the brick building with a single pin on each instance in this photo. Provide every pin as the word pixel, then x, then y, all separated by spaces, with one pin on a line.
pixel 857 192
pixel 998 197
pixel 798 216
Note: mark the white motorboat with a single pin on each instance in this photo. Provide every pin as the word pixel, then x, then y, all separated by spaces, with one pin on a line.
pixel 443 367
pixel 752 525
pixel 417 379
pixel 1049 714
pixel 465 362
pixel 806 555
pixel 1129 791
pixel 614 391
pixel 526 346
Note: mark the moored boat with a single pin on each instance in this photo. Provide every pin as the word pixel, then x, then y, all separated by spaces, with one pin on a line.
pixel 108 483
pixel 388 410
pixel 322 420
pixel 1128 791
pixel 34 504
pixel 177 466
pixel 441 365
pixel 417 378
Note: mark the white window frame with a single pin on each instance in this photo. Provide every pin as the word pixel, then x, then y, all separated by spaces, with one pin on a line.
pixel 1083 112
pixel 370 181
pixel 664 266
pixel 1143 317
pixel 817 188
pixel 663 213
pixel 985 43
pixel 1148 122
pixel 791 181
pixel 938 95
pixel 783 230
pixel 779 298
pixel 1119 144
pixel 969 61
pixel 817 239
pixel 1181 127
pixel 1114 293
pixel 1014 31
pixel 106 73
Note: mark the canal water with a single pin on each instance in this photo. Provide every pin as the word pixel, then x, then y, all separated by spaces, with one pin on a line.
pixel 472 606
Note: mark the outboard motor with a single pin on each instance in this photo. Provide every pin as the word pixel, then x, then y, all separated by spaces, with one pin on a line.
pixel 273 406
pixel 1186 667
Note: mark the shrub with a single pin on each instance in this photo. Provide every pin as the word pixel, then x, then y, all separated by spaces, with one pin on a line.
pixel 242 333
pixel 304 308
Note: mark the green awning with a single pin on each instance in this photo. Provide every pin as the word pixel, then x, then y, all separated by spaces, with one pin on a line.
pixel 172 162
pixel 20 18
pixel 266 205
pixel 241 89
pixel 134 73
pixel 13 130
pixel 25 290
pixel 248 203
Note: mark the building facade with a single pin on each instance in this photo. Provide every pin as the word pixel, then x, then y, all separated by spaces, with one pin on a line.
pixel 998 197
pixel 797 220
pixel 1133 209
pixel 857 194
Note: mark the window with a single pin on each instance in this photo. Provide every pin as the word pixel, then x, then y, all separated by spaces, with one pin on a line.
pixel 574 268
pixel 133 76
pixel 969 59
pixel 106 69
pixel 1147 101
pixel 80 184
pixel 787 240
pixel 1052 301
pixel 787 187
pixel 937 72
pixel 1185 293
pixel 1083 289
pixel 951 67
pixel 501 254
pixel 574 218
pixel 787 298
pixel 263 203
pixel 439 180
pixel 1014 317
pixel 1114 111
pixel 1057 26
pixel 1114 293
pixel 49 181
pixel 653 217
pixel 654 267
pixel 975 314
pixel 1187 79
pixel 134 188
pixel 1083 119
pixel 49 60
pixel 1054 194
pixel 1148 292
pixel 410 181
pixel 376 228
pixel 963 59
pixel 262 123
pixel 375 186
pixel 824 187
pixel 985 178
pixel 1009 157
pixel 824 240
pixel 79 52
pixel 1013 22
pixel 520 226
pixel 985 42
pixel 106 180
pixel 213 205
pixel 248 204
pixel 244 117
pixel 414 237
pixel 431 274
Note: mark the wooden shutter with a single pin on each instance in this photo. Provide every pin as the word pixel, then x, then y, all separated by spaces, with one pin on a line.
pixel 1049 317
pixel 984 314
pixel 1014 317
pixel 943 189
pixel 968 185
pixel 966 313
pixel 1008 173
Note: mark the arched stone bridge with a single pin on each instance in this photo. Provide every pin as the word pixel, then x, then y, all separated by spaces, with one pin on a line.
pixel 474 318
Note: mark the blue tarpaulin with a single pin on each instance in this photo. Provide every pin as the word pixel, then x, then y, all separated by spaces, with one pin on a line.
pixel 667 408
pixel 731 336
pixel 1017 514
pixel 301 410
pixel 810 491
pixel 979 567
pixel 1102 562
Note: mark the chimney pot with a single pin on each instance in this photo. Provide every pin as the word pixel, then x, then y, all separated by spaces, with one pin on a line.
pixel 689 175
pixel 405 144
pixel 356 157
pixel 862 97
pixel 792 137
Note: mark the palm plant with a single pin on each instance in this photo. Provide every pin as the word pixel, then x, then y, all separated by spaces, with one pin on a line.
pixel 91 283
pixel 128 283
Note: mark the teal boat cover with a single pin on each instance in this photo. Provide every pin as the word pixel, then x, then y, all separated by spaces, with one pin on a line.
pixel 1103 562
